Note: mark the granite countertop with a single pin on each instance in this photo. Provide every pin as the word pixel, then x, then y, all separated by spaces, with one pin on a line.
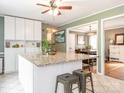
pixel 42 60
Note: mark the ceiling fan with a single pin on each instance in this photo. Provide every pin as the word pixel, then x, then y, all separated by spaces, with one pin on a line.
pixel 54 7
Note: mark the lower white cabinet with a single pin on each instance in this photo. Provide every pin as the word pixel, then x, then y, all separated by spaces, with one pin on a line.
pixel 11 62
pixel 116 53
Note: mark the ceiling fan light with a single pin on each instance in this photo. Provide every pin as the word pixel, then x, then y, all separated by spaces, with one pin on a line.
pixel 56 11
pixel 51 12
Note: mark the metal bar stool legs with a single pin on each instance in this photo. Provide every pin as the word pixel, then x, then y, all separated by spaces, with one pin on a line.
pixel 83 75
pixel 91 79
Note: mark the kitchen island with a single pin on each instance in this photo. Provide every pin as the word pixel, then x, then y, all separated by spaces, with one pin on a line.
pixel 37 72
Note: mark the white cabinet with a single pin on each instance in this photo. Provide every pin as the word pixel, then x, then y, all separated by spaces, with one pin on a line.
pixel 29 28
pixel 37 30
pixel 23 30
pixel 9 25
pixel 9 60
pixel 116 53
pixel 20 29
pixel 121 56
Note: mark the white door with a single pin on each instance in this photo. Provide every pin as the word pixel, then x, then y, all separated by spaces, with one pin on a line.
pixel 29 28
pixel 37 30
pixel 20 29
pixel 71 42
pixel 9 26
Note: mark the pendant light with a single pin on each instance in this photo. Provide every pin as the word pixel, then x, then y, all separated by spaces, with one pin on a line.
pixel 90 33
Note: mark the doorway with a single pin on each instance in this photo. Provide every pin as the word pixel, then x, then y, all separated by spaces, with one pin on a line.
pixel 114 47
pixel 81 37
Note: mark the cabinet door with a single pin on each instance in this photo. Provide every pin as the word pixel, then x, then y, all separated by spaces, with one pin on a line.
pixel 37 30
pixel 9 24
pixel 121 57
pixel 20 29
pixel 10 65
pixel 29 28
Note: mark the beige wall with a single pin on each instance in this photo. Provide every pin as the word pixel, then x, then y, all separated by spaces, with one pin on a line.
pixel 110 34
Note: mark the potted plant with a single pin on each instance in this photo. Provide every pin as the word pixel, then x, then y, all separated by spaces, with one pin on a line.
pixel 45 46
pixel 88 47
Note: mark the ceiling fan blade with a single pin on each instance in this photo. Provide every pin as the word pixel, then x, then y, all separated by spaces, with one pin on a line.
pixel 45 11
pixel 42 5
pixel 65 7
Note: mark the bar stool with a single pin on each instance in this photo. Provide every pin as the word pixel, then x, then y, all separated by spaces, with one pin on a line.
pixel 83 76
pixel 67 80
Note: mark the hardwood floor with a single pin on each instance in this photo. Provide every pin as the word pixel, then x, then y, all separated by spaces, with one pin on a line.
pixel 115 70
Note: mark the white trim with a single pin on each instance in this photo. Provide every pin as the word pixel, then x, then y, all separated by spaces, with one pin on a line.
pixel 102 48
pixel 67 37
pixel 103 39
pixel 90 15
pixel 83 25
pixel 111 28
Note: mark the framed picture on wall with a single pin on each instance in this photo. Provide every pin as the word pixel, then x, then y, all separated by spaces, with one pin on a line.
pixel 60 37
pixel 119 39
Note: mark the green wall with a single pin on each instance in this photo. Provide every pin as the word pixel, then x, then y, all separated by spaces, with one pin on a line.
pixel 97 17
pixel 1 34
pixel 109 13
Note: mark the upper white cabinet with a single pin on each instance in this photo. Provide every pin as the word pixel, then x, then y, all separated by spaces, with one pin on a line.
pixel 20 29
pixel 29 29
pixel 9 24
pixel 37 30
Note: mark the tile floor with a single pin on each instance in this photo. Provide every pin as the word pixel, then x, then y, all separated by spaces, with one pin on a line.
pixel 102 84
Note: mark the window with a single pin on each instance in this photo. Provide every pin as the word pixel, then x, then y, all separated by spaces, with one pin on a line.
pixel 80 40
pixel 93 41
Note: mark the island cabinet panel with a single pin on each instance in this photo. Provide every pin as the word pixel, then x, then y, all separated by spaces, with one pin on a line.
pixel 38 73
pixel 9 26
pixel 20 29
pixel 37 30
pixel 29 29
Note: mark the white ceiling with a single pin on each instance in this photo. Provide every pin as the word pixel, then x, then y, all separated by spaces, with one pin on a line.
pixel 114 23
pixel 86 28
pixel 81 8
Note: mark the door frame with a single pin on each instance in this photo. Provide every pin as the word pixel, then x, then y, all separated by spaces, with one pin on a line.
pixel 103 41
pixel 67 38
